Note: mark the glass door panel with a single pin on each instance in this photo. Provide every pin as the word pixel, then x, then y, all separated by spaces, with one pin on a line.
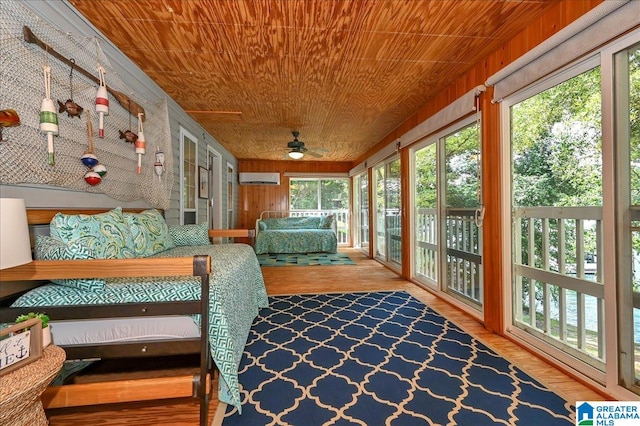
pixel 379 173
pixel 361 208
pixel 425 215
pixel 463 215
pixel 557 215
pixel 393 211
pixel 627 66
pixel 388 244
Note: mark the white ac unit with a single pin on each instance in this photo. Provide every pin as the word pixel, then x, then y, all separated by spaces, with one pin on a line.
pixel 259 178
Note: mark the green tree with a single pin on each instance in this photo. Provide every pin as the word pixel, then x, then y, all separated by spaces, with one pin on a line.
pixel 462 151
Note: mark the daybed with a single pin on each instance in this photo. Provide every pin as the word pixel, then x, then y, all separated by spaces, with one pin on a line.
pixel 140 247
pixel 295 234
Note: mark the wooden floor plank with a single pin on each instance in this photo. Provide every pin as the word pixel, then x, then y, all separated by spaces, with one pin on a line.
pixel 365 275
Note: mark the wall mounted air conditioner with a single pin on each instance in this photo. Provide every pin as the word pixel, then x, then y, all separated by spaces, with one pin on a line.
pixel 259 178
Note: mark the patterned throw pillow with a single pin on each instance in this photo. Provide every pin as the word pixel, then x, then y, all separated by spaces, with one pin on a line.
pixel 327 221
pixel 149 232
pixel 190 235
pixel 51 248
pixel 106 234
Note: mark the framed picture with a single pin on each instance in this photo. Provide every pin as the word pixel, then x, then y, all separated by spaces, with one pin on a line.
pixel 20 344
pixel 203 182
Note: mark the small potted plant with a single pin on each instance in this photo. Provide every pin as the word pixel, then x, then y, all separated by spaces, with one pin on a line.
pixel 46 331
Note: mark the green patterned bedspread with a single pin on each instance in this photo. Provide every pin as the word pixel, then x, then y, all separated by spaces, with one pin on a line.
pixel 237 293
pixel 296 241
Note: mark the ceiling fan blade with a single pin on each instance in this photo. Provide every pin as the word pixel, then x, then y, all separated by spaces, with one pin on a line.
pixel 314 154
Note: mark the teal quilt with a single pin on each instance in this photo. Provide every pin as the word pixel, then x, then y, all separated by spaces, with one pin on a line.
pixel 237 293
pixel 296 241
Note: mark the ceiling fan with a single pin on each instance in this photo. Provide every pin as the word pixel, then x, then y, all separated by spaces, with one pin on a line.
pixel 297 149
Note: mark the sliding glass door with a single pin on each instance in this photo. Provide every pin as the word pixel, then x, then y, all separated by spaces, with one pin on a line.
pixel 447 213
pixel 388 242
pixel 462 215
pixel 361 209
pixel 627 77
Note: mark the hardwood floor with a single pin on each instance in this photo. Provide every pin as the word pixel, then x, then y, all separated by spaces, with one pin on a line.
pixel 366 275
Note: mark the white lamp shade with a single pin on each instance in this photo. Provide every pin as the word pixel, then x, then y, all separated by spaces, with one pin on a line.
pixel 296 155
pixel 15 246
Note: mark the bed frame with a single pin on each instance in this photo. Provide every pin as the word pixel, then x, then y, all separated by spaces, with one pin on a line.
pixel 74 395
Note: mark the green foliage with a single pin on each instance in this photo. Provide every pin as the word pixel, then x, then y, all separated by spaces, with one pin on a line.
pixel 462 168
pixel 556 143
pixel 41 316
pixel 319 194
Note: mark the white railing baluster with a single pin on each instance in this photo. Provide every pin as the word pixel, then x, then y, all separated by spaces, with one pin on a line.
pixel 562 314
pixel 579 248
pixel 532 302
pixel 581 323
pixel 531 240
pixel 601 328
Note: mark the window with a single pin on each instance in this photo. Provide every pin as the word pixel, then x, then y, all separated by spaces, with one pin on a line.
pixel 388 220
pixel 230 197
pixel 557 213
pixel 361 209
pixel 447 211
pixel 309 196
pixel 188 178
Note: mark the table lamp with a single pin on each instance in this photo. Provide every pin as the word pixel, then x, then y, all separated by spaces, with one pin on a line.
pixel 15 245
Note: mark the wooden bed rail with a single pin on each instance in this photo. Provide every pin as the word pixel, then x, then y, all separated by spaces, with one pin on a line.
pixel 101 268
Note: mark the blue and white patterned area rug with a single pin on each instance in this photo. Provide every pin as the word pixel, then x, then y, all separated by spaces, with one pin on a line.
pixel 380 358
pixel 305 259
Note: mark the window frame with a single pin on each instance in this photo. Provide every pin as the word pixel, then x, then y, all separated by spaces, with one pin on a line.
pixel 186 136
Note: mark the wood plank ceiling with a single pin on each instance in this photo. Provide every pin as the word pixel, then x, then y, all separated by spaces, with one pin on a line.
pixel 344 73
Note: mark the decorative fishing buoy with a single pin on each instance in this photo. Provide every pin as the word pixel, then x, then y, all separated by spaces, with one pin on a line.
pixel 102 102
pixel 48 116
pixel 100 169
pixel 88 158
pixel 158 166
pixel 92 178
pixel 140 143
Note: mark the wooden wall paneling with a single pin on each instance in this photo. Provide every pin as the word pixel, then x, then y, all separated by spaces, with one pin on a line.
pixel 492 259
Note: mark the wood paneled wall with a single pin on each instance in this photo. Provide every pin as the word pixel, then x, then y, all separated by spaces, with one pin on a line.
pixel 257 198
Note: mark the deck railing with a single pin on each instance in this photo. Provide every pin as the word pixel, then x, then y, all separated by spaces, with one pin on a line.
pixel 557 272
pixel 389 235
pixel 464 259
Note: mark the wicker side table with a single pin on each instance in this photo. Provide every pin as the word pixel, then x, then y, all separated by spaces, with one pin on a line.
pixel 20 390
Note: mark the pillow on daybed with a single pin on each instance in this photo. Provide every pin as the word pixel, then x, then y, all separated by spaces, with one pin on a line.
pixel 52 248
pixel 327 221
pixel 190 235
pixel 149 232
pixel 107 234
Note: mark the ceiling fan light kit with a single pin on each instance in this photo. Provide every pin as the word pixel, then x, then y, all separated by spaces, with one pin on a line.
pixel 296 155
